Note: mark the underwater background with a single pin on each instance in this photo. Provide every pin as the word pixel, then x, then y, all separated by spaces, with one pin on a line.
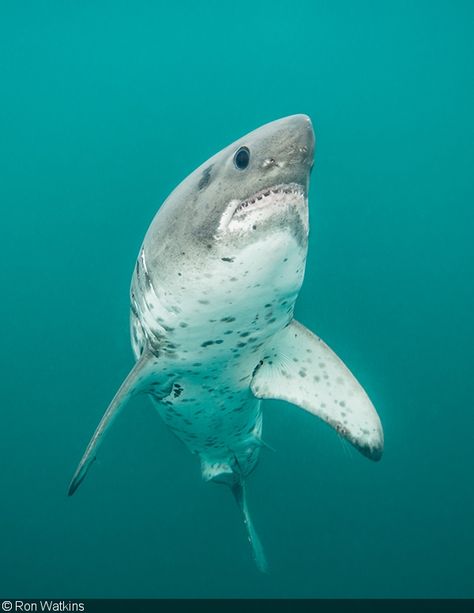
pixel 104 108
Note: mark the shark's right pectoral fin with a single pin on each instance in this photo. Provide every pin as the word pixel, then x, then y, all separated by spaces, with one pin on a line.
pixel 134 383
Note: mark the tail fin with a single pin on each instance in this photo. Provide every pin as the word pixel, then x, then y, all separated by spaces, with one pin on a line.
pixel 238 490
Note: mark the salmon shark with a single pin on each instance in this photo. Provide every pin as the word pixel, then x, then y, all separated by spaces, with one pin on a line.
pixel 212 300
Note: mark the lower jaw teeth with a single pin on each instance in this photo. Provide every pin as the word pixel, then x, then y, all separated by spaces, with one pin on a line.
pixel 266 194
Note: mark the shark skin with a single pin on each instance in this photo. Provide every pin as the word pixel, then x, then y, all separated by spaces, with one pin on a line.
pixel 212 300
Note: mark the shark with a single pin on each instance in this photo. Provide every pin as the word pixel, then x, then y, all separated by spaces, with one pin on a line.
pixel 212 328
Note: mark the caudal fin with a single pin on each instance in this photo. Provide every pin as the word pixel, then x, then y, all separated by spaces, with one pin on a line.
pixel 238 490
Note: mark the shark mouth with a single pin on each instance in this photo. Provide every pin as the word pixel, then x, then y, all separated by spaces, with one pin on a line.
pixel 279 194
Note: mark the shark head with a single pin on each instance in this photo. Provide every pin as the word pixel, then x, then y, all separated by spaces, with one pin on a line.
pixel 252 193
pixel 253 183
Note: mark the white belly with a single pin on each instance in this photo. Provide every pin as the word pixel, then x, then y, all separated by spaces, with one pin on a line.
pixel 210 329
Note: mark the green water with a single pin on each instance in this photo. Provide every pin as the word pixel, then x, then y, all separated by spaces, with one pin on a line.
pixel 104 108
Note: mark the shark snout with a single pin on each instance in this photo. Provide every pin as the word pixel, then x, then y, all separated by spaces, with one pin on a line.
pixel 301 139
pixel 289 151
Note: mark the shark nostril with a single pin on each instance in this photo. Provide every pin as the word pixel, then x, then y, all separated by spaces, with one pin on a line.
pixel 269 163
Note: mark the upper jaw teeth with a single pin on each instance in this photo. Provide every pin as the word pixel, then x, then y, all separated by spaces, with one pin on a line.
pixel 279 190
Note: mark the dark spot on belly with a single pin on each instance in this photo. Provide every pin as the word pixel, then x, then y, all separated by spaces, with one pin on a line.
pixel 244 334
pixel 227 259
pixel 228 319
pixel 207 343
pixel 219 341
pixel 257 367
pixel 228 332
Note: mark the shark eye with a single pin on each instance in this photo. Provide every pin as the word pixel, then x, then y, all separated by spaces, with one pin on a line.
pixel 242 158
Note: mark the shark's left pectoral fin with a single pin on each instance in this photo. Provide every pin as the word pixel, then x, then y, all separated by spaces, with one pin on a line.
pixel 301 369
pixel 133 384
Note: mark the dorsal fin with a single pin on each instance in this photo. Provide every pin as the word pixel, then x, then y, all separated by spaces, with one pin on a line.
pixel 134 383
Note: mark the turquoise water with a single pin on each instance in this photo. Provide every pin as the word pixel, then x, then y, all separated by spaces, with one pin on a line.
pixel 105 107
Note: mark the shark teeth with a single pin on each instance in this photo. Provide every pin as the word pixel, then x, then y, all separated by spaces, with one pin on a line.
pixel 262 198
